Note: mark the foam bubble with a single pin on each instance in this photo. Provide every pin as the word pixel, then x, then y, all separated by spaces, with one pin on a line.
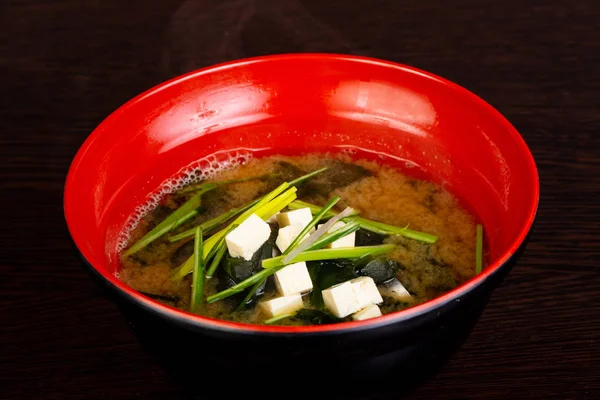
pixel 200 170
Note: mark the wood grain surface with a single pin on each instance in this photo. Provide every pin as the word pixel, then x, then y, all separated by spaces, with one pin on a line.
pixel 65 65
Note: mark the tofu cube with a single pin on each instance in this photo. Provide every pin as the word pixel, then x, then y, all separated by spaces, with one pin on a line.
pixel 302 216
pixel 366 291
pixel 394 289
pixel 346 241
pixel 341 299
pixel 293 278
pixel 286 235
pixel 371 311
pixel 282 305
pixel 248 237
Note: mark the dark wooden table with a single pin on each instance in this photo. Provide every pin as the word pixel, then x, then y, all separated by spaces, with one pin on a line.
pixel 65 65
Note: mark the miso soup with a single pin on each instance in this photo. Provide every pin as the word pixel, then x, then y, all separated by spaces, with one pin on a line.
pixel 302 240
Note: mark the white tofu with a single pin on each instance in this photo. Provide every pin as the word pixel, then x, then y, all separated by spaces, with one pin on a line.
pixel 301 216
pixel 294 278
pixel 394 289
pixel 346 241
pixel 286 235
pixel 371 311
pixel 341 299
pixel 247 238
pixel 282 305
pixel 366 291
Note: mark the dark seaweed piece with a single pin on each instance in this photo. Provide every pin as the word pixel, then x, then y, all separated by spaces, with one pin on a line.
pixel 338 175
pixel 315 317
pixel 332 272
pixel 266 251
pixel 240 269
pixel 225 281
pixel 286 172
pixel 367 238
pixel 380 269
pixel 180 255
pixel 316 298
pixel 161 297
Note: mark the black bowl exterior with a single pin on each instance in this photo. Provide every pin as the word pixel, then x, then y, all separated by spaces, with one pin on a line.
pixel 403 353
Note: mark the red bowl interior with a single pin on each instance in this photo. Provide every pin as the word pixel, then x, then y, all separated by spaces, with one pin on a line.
pixel 422 124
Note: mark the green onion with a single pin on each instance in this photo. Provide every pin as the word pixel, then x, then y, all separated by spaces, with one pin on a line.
pixel 326 239
pixel 303 178
pixel 278 204
pixel 277 318
pixel 311 224
pixel 479 250
pixel 386 229
pixel 251 292
pixel 373 226
pixel 217 260
pixel 197 273
pixel 211 224
pixel 185 212
pixel 330 254
pixel 275 264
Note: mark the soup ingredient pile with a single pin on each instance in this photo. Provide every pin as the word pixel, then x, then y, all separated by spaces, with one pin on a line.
pixel 284 260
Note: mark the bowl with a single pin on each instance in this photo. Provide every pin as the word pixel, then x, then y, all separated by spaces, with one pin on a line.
pixel 420 123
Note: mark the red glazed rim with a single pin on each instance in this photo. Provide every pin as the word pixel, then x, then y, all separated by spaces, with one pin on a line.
pixel 205 322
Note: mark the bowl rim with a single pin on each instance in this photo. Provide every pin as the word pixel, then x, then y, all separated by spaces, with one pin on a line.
pixel 199 321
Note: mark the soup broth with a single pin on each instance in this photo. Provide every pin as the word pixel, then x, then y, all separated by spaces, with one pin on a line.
pixel 422 269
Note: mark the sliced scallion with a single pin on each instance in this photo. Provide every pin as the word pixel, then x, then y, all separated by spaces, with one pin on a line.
pixel 330 254
pixel 217 259
pixel 386 229
pixel 197 273
pixel 277 204
pixel 479 250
